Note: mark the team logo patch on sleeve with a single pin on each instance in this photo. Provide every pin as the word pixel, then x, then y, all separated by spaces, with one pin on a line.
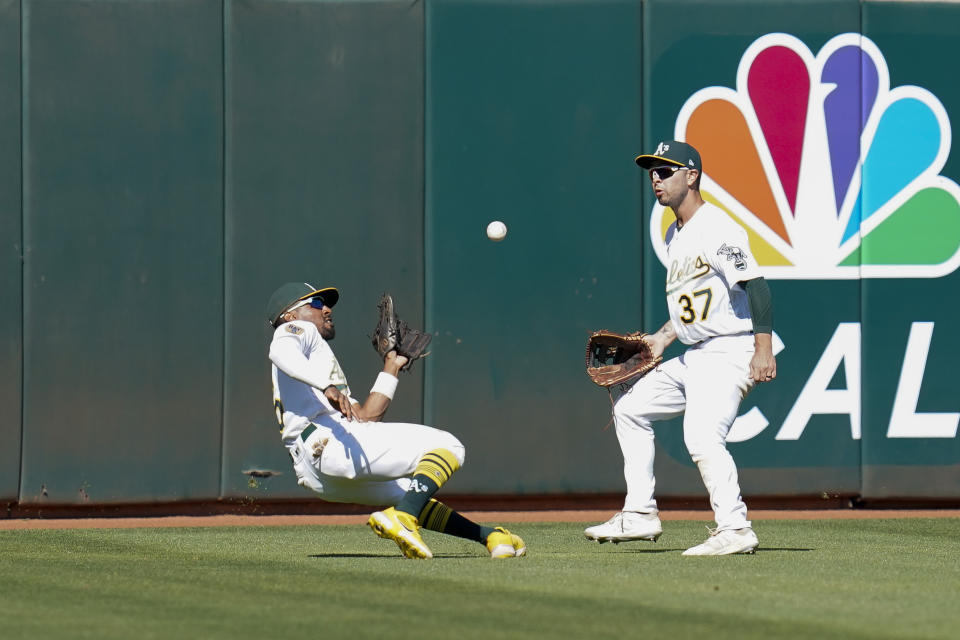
pixel 735 254
pixel 294 329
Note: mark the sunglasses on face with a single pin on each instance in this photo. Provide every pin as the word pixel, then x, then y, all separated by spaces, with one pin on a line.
pixel 316 302
pixel 664 172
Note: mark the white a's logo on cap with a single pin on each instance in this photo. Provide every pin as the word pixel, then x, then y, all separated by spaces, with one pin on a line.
pixel 662 148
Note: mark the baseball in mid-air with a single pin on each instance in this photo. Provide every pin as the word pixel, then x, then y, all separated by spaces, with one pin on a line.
pixel 496 231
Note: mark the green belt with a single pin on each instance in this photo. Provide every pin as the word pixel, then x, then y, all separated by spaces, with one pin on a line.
pixel 307 431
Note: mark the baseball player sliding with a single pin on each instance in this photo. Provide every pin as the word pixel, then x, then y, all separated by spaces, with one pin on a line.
pixel 720 305
pixel 342 450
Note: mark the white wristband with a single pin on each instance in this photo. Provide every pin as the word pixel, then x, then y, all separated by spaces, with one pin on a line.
pixel 385 384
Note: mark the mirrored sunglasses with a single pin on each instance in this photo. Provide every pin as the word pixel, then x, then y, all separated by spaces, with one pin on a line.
pixel 316 302
pixel 664 172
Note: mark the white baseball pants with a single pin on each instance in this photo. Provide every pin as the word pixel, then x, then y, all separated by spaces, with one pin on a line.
pixel 365 462
pixel 706 385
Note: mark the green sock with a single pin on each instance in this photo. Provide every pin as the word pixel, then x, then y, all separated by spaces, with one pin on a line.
pixel 432 472
pixel 437 516
pixel 421 490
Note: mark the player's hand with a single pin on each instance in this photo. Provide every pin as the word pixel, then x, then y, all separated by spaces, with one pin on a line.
pixel 656 344
pixel 661 339
pixel 763 365
pixel 340 401
pixel 392 362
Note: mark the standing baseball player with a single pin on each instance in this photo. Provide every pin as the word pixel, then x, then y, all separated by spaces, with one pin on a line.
pixel 721 307
pixel 342 450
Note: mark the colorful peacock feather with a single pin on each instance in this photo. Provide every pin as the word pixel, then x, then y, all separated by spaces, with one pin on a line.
pixel 828 169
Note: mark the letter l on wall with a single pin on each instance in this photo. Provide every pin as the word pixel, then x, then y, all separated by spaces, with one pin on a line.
pixel 905 422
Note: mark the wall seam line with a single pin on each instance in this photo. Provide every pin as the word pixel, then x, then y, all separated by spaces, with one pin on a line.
pixel 223 254
pixel 23 283
pixel 426 397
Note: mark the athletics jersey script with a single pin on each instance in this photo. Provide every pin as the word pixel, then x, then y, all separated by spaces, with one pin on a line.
pixel 303 366
pixel 708 257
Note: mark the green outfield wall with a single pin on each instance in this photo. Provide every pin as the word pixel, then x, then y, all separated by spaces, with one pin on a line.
pixel 165 164
pixel 324 182
pixel 11 269
pixel 123 235
pixel 520 120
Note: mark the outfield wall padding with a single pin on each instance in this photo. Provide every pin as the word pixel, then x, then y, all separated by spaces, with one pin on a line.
pixel 902 317
pixel 123 228
pixel 11 251
pixel 164 165
pixel 533 118
pixel 324 183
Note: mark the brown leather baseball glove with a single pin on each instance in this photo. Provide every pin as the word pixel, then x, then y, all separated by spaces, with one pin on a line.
pixel 393 334
pixel 616 358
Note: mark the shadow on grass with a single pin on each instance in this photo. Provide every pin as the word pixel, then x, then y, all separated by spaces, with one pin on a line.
pixel 383 556
pixel 682 549
pixel 646 551
pixel 350 555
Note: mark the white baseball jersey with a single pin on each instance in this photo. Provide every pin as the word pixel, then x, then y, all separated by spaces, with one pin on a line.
pixel 708 257
pixel 303 365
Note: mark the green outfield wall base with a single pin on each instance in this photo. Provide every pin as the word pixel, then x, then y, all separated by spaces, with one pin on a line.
pixel 578 502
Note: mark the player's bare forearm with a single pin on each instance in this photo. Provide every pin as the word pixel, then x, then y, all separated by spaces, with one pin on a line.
pixel 392 363
pixel 660 340
pixel 373 408
pixel 763 365
pixel 376 404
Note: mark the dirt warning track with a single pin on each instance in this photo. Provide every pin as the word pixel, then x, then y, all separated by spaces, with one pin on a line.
pixel 227 520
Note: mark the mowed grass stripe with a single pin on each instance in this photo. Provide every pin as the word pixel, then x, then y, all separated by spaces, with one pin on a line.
pixel 893 578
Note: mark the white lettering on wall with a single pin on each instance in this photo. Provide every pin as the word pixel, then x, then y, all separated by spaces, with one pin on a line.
pixel 815 397
pixel 905 422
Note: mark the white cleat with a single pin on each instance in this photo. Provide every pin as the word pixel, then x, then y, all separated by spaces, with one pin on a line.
pixel 727 542
pixel 626 526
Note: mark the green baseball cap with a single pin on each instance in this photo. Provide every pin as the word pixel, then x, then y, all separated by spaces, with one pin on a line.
pixel 293 292
pixel 671 152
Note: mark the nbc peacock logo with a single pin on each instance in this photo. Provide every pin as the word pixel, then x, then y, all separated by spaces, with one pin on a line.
pixel 828 169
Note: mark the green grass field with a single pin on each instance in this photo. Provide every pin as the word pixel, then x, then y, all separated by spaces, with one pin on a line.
pixel 885 578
